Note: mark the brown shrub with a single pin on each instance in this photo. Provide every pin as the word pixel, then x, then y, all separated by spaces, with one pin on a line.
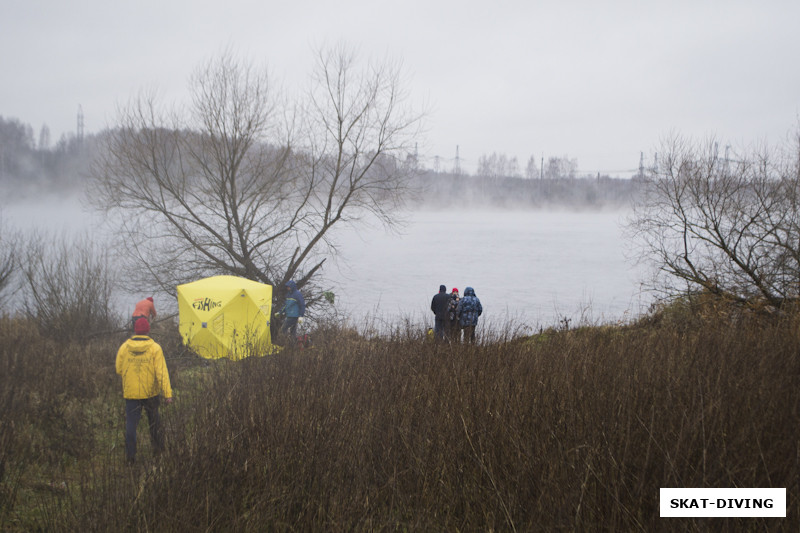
pixel 570 430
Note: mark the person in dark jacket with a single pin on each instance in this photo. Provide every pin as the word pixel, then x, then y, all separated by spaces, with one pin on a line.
pixel 469 309
pixel 293 310
pixel 439 306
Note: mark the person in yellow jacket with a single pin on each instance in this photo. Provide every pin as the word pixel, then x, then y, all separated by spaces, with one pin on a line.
pixel 140 362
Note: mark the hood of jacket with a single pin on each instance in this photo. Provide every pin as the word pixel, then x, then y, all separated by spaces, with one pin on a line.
pixel 469 291
pixel 139 345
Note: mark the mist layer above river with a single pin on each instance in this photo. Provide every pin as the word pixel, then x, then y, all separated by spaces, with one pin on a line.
pixel 534 267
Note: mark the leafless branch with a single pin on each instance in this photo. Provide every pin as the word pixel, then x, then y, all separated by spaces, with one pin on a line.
pixel 240 182
pixel 727 226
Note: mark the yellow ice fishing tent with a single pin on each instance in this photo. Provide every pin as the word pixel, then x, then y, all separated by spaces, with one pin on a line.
pixel 226 316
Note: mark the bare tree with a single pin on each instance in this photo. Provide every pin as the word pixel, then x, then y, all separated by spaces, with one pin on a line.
pixel 560 168
pixel 532 169
pixel 513 167
pixel 244 183
pixel 9 256
pixel 726 225
pixel 497 166
pixel 67 286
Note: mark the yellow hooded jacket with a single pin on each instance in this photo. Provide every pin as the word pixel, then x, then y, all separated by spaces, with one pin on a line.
pixel 140 362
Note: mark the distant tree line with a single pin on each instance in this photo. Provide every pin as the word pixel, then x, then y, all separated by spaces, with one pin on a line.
pixel 26 163
pixel 500 181
pixel 589 192
pixel 500 165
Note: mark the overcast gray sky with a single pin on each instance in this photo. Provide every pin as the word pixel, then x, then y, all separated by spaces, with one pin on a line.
pixel 592 80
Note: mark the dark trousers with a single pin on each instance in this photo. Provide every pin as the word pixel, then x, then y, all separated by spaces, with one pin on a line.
pixel 453 331
pixel 469 333
pixel 290 326
pixel 133 412
pixel 438 328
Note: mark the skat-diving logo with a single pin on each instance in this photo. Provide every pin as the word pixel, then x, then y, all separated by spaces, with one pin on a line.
pixel 205 304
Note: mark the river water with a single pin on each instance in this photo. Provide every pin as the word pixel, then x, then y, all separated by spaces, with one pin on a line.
pixel 529 268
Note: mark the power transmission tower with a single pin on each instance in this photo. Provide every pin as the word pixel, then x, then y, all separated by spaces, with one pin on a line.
pixel 80 125
pixel 413 159
pixel 727 157
pixel 641 165
pixel 457 166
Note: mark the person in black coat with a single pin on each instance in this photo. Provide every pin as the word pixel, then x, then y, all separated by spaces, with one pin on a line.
pixel 439 306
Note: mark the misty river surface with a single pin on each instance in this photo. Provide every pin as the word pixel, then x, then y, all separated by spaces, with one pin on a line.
pixel 527 267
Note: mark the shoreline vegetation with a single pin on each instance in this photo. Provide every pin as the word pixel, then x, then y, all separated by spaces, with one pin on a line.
pixel 568 429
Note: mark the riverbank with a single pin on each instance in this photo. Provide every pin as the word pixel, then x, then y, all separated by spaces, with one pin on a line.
pixel 569 429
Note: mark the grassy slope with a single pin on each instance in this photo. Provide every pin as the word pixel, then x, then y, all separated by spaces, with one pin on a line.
pixel 564 430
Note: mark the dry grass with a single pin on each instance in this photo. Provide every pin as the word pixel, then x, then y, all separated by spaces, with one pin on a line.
pixel 572 430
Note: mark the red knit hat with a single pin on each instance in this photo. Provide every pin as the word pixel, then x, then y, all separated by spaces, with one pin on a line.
pixel 455 290
pixel 142 327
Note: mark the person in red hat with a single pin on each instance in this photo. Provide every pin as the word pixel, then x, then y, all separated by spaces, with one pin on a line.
pixel 453 329
pixel 144 309
pixel 140 362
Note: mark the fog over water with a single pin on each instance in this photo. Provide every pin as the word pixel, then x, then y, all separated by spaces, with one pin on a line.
pixel 50 213
pixel 527 267
pixel 533 267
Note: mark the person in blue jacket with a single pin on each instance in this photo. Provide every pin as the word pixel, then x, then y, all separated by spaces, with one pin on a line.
pixel 468 311
pixel 293 309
